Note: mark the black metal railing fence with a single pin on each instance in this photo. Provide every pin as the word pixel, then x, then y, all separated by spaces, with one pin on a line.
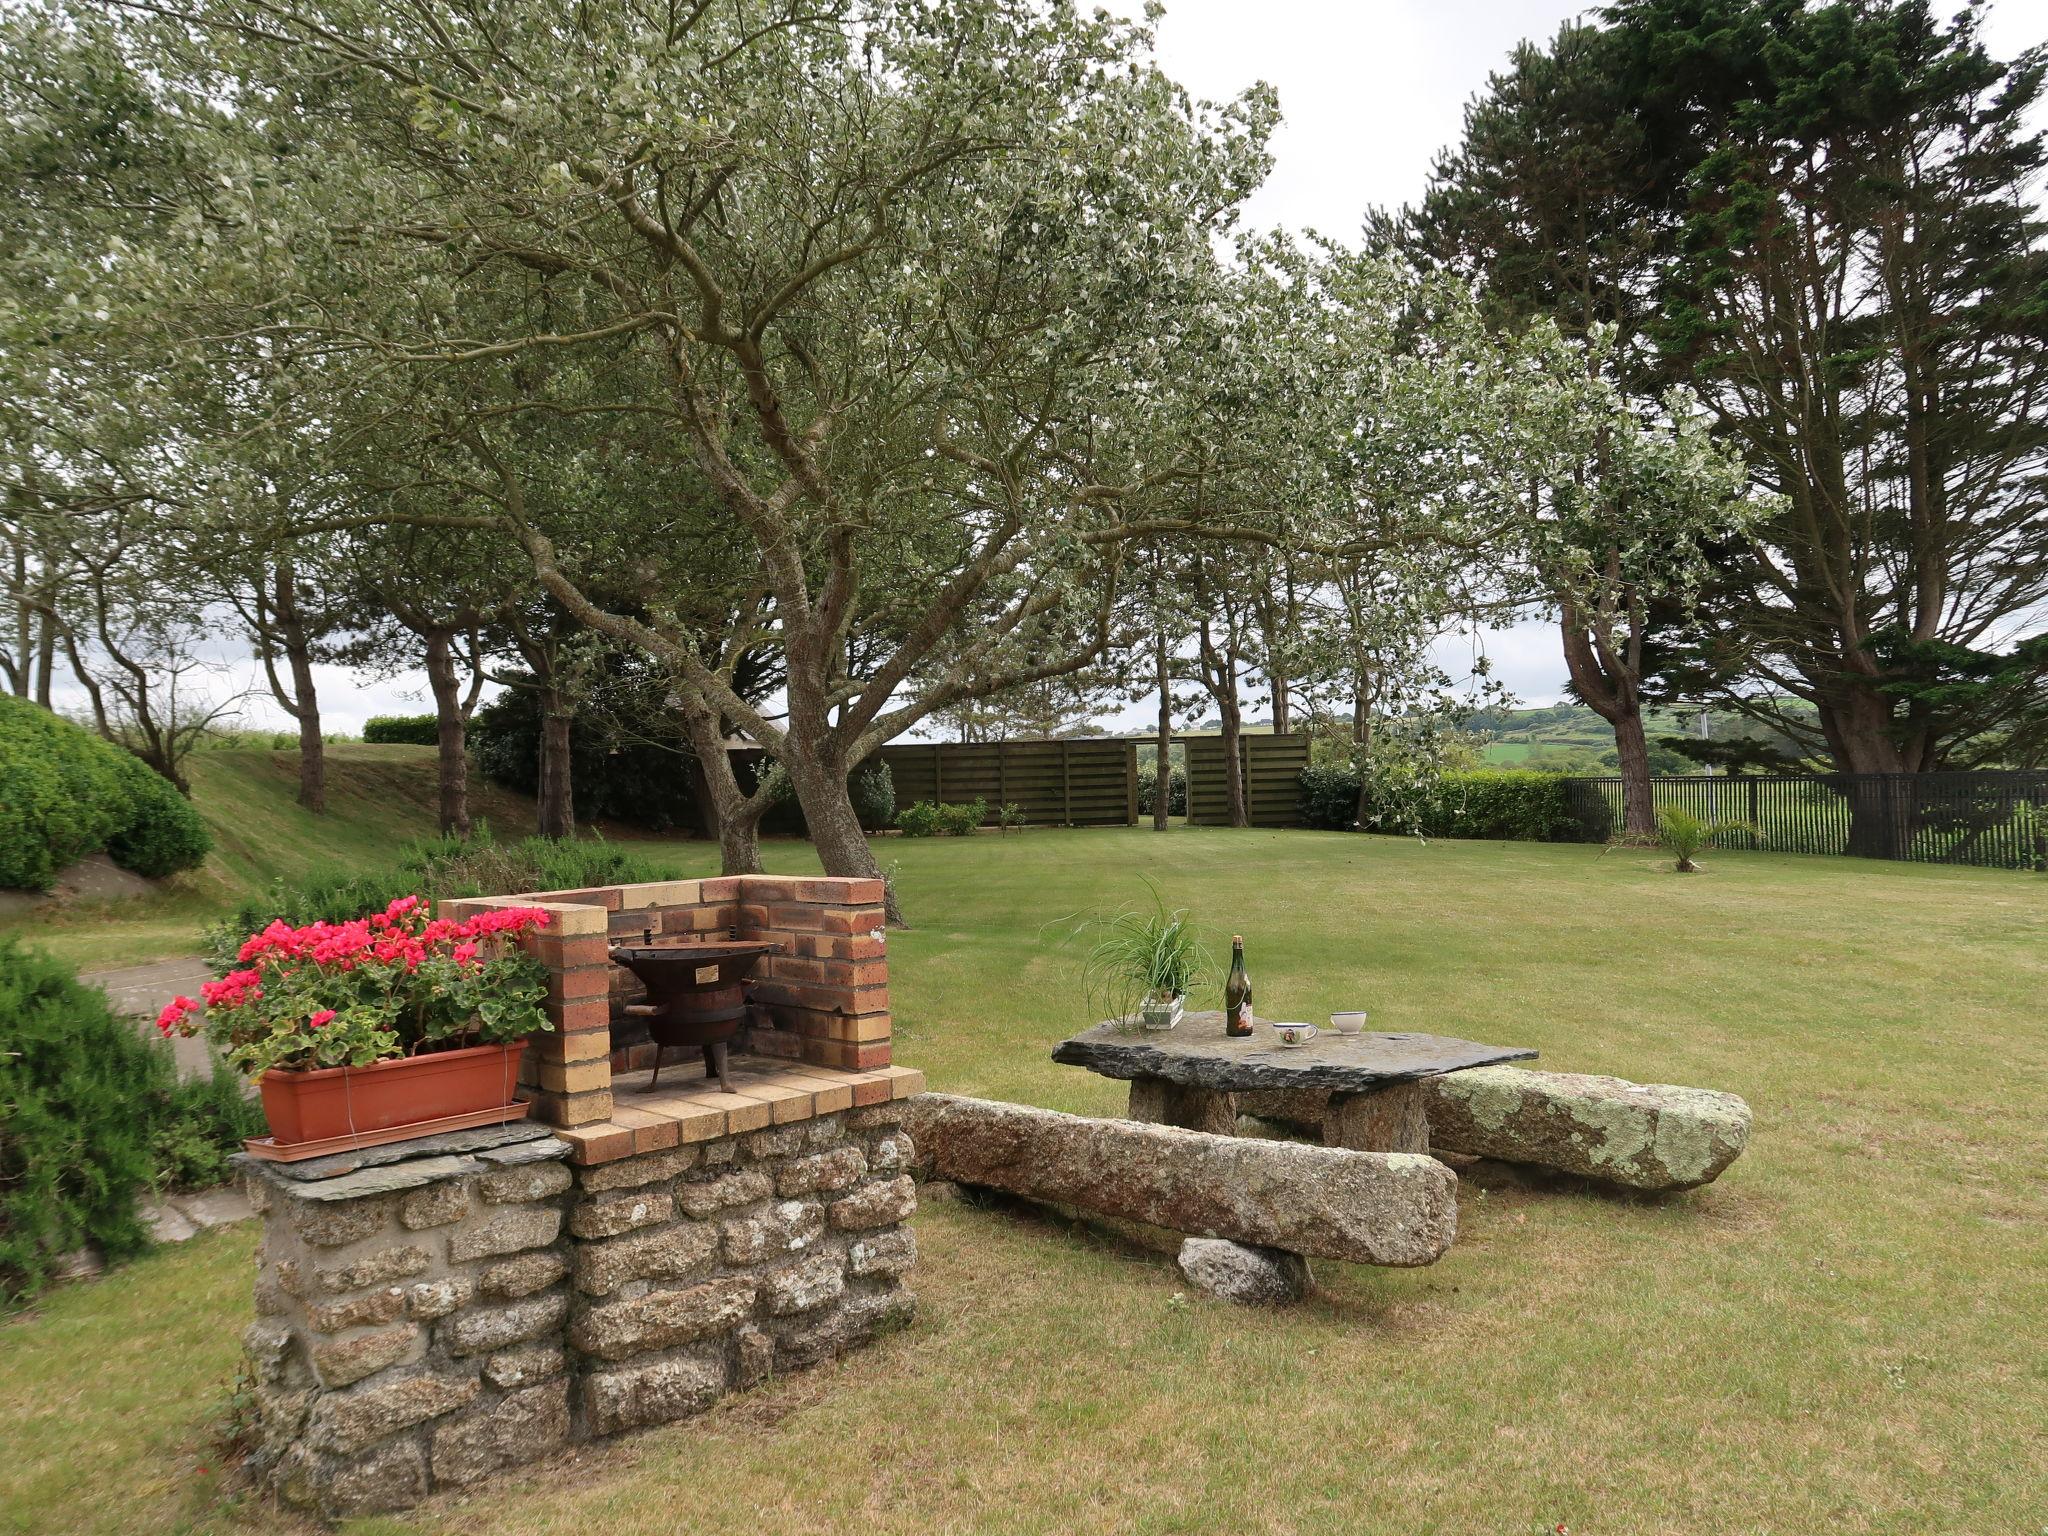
pixel 1997 820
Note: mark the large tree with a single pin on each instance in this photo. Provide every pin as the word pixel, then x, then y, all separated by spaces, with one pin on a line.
pixel 872 264
pixel 1825 219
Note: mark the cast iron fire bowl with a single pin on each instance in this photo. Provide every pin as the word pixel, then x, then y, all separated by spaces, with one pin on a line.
pixel 696 995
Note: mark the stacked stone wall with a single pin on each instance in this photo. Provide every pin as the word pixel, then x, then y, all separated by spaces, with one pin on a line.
pixel 467 1306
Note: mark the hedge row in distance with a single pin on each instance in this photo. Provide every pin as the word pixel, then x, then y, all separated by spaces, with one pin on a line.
pixel 1503 806
pixel 402 731
pixel 66 793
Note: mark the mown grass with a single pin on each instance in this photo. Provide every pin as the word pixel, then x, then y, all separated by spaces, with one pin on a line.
pixel 1843 1334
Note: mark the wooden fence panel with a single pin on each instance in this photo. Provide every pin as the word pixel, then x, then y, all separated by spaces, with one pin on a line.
pixel 1272 779
pixel 1083 783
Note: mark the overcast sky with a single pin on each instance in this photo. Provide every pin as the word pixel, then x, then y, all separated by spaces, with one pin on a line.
pixel 1370 91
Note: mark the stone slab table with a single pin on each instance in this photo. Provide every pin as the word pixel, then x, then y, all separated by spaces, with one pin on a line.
pixel 1191 1076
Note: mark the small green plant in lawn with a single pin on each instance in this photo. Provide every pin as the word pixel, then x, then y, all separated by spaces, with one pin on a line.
pixel 1010 817
pixel 1143 955
pixel 1683 835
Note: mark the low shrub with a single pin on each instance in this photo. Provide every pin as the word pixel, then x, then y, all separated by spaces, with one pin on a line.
pixel 1512 806
pixel 961 820
pixel 946 819
pixel 920 819
pixel 66 793
pixel 402 731
pixel 202 1124
pixel 1010 817
pixel 442 867
pixel 83 1093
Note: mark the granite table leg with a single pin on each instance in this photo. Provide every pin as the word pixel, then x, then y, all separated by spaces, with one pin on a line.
pixel 1390 1119
pixel 1158 1102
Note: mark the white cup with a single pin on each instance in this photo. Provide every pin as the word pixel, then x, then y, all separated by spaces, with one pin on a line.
pixel 1295 1033
pixel 1348 1023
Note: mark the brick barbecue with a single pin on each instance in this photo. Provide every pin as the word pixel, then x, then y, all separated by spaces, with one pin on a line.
pixel 429 1312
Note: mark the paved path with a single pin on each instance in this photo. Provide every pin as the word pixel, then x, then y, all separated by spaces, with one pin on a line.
pixel 140 992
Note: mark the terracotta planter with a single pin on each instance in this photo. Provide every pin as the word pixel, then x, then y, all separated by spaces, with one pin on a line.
pixel 343 1102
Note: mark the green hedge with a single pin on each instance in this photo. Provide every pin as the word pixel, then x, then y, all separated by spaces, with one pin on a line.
pixel 402 731
pixel 66 793
pixel 1511 806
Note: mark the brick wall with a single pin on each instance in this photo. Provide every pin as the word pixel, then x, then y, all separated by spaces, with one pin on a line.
pixel 822 999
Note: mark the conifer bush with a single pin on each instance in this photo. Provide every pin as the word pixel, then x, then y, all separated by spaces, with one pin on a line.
pixel 84 1097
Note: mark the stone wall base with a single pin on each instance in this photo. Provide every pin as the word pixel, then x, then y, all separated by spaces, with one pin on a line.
pixel 432 1312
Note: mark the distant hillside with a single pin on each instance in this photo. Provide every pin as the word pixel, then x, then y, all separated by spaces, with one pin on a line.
pixel 1571 735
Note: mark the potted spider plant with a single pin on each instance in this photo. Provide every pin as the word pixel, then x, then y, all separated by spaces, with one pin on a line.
pixel 1145 962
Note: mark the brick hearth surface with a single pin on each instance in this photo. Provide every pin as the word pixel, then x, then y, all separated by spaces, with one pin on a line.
pixel 687 1109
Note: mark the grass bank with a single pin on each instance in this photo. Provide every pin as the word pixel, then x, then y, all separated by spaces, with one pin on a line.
pixel 1843 1334
pixel 378 799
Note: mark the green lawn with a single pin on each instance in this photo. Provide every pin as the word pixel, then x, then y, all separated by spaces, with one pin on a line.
pixel 1843 1334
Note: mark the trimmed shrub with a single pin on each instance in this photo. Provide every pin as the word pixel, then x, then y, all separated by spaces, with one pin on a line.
pixel 164 833
pixel 1513 806
pixel 402 731
pixel 961 820
pixel 918 820
pixel 925 819
pixel 66 793
pixel 437 867
pixel 82 1091
pixel 1328 796
pixel 1148 787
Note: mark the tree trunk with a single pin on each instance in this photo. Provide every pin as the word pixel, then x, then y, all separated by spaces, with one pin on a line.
pixel 1162 778
pixel 1882 817
pixel 1608 685
pixel 1282 706
pixel 312 745
pixel 1361 749
pixel 1233 760
pixel 453 735
pixel 46 655
pixel 277 622
pixel 556 809
pixel 821 789
pixel 730 814
pixel 1638 808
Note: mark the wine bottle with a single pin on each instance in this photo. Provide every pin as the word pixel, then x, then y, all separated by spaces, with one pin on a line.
pixel 1237 992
